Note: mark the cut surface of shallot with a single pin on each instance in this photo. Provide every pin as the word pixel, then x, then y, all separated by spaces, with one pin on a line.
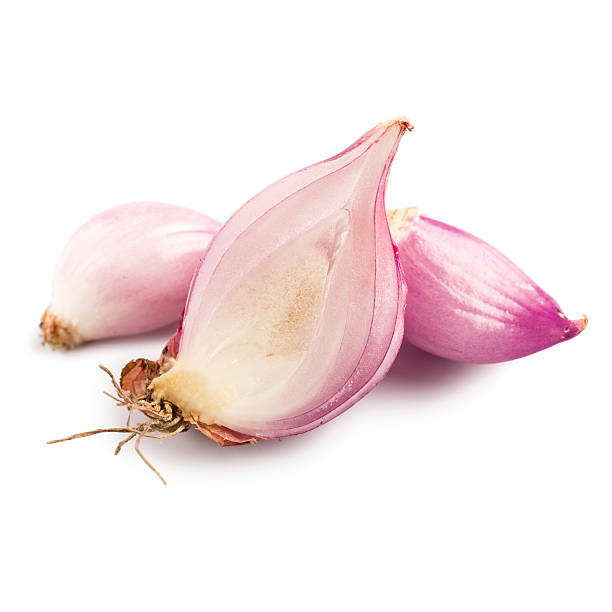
pixel 296 311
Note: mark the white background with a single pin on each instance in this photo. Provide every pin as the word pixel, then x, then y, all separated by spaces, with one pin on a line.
pixel 450 487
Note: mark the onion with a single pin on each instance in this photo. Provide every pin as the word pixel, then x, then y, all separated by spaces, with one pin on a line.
pixel 468 302
pixel 126 271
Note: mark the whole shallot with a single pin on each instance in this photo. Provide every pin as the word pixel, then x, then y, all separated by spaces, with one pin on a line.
pixel 468 302
pixel 126 271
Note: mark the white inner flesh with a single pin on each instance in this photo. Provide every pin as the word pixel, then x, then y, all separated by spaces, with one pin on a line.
pixel 260 332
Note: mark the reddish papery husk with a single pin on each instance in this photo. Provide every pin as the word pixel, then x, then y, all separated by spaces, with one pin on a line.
pixel 125 271
pixel 296 312
pixel 468 302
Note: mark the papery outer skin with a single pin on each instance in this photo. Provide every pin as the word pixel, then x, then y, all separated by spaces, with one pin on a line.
pixel 127 270
pixel 366 164
pixel 467 301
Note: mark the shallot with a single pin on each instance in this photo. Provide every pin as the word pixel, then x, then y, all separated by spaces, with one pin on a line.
pixel 468 302
pixel 126 271
pixel 296 311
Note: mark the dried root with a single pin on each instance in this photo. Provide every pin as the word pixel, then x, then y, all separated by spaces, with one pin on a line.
pixel 164 420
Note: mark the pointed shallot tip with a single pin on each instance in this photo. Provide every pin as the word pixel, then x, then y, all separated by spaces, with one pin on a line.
pixel 58 333
pixel 575 327
pixel 401 121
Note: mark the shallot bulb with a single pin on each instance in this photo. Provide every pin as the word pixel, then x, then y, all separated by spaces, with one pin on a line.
pixel 468 302
pixel 126 271
pixel 295 313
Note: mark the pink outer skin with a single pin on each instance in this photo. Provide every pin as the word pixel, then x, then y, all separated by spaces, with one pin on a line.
pixel 468 302
pixel 386 325
pixel 127 270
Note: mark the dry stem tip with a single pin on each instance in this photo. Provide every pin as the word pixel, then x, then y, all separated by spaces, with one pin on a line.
pixel 400 220
pixel 57 333
pixel 402 122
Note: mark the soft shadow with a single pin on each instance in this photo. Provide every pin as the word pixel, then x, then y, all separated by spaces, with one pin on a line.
pixel 193 446
pixel 155 337
pixel 416 370
pixel 413 372
pixel 191 452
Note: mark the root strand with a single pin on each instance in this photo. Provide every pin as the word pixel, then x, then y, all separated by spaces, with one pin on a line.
pixel 163 418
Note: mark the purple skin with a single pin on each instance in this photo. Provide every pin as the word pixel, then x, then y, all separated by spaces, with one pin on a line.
pixel 468 302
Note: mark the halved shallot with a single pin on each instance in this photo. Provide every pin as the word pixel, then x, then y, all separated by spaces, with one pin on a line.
pixel 296 311
pixel 125 271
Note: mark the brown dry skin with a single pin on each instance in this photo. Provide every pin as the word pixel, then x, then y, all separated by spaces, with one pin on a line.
pixel 224 436
pixel 57 333
pixel 137 374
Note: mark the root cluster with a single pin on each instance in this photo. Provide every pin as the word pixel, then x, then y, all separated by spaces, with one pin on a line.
pixel 164 420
